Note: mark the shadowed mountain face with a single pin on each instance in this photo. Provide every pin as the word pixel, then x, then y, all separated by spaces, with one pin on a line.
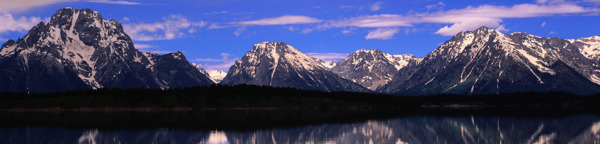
pixel 281 65
pixel 486 61
pixel 78 49
pixel 372 68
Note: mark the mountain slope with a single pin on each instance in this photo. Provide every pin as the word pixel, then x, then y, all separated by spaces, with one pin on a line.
pixel 281 65
pixel 176 72
pixel 371 68
pixel 75 50
pixel 486 61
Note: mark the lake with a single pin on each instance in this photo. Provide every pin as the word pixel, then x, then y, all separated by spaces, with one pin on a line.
pixel 342 127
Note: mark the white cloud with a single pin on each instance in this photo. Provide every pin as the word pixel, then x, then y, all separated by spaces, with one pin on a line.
pixel 346 7
pixel 468 18
pixel 346 31
pixel 549 1
pixel 283 20
pixel 158 51
pixel 328 56
pixel 464 26
pixel 307 30
pixel 383 20
pixel 376 6
pixel 215 12
pixel 115 2
pixel 9 23
pixel 382 33
pixel 239 31
pixel 291 28
pixel 552 32
pixel 216 26
pixel 174 26
pixel 436 5
pixel 217 64
pixel 502 28
pixel 144 46
pixel 22 5
pixel 543 24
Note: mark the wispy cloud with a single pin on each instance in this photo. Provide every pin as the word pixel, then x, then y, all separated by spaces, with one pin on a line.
pixel 328 56
pixel 144 46
pixel 22 5
pixel 9 23
pixel 174 26
pixel 376 6
pixel 115 2
pixel 283 20
pixel 307 30
pixel 239 31
pixel 382 33
pixel 543 24
pixel 436 5
pixel 217 64
pixel 468 18
pixel 157 51
pixel 215 12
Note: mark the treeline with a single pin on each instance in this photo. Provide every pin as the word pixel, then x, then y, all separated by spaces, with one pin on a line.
pixel 214 96
pixel 265 97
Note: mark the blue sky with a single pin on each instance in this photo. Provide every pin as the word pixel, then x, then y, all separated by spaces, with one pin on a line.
pixel 216 33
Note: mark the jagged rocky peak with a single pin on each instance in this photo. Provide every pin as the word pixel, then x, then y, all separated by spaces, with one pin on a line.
pixel 278 64
pixel 279 51
pixel 371 68
pixel 79 49
pixel 201 69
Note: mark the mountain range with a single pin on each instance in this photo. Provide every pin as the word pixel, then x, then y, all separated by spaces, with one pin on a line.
pixel 486 61
pixel 80 50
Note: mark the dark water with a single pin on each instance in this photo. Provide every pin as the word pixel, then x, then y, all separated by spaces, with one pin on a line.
pixel 297 127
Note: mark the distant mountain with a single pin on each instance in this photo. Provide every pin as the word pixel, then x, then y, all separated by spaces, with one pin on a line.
pixel 217 75
pixel 326 64
pixel 78 49
pixel 280 65
pixel 175 71
pixel 371 68
pixel 486 61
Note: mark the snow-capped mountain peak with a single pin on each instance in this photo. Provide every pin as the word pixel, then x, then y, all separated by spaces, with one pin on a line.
pixel 589 47
pixel 371 68
pixel 83 50
pixel 217 75
pixel 281 65
pixel 487 61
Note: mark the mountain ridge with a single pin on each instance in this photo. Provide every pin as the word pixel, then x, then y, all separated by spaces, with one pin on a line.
pixel 78 50
pixel 278 64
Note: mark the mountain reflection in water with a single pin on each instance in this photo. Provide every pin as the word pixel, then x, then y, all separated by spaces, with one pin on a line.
pixel 580 128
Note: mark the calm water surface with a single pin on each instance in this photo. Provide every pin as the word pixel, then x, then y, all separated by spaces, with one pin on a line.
pixel 413 128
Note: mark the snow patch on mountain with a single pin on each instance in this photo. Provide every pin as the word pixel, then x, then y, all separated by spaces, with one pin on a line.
pixel 372 68
pixel 217 75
